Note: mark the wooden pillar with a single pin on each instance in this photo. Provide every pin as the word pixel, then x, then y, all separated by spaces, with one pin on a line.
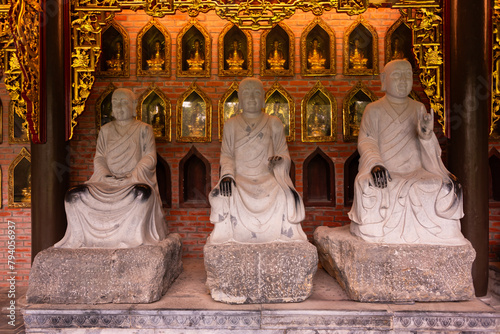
pixel 50 161
pixel 469 106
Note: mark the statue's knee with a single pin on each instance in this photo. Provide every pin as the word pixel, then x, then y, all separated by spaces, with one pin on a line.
pixel 142 191
pixel 74 193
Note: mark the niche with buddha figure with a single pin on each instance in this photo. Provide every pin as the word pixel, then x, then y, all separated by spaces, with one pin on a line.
pixel 354 105
pixel 153 50
pixel 360 49
pixel 398 43
pixel 20 180
pixel 103 107
pixel 194 51
pixel 277 47
pixel 317 49
pixel 319 180
pixel 18 125
pixel 228 106
pixel 154 108
pixel 280 103
pixel 194 180
pixel 235 52
pixel 194 116
pixel 319 115
pixel 350 172
pixel 115 52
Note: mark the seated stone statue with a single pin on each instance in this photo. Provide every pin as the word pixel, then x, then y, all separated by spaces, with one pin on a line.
pixel 403 193
pixel 255 200
pixel 120 206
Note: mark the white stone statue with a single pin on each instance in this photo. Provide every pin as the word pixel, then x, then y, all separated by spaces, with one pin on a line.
pixel 255 200
pixel 120 206
pixel 403 193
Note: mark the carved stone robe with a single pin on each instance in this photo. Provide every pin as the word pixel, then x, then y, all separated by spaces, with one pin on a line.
pixel 118 213
pixel 264 205
pixel 422 204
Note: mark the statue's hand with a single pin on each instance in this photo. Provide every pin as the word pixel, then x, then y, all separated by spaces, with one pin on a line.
pixel 225 186
pixel 380 176
pixel 425 123
pixel 274 160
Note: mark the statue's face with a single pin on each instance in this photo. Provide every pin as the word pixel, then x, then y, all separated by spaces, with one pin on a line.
pixel 251 96
pixel 122 105
pixel 398 78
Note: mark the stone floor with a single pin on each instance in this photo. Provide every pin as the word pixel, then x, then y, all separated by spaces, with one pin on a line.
pixel 188 308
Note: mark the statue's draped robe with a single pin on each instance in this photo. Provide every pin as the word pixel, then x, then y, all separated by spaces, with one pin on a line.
pixel 112 213
pixel 264 205
pixel 421 204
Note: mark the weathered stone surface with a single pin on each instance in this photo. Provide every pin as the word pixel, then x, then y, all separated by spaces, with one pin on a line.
pixel 276 272
pixel 371 272
pixel 98 275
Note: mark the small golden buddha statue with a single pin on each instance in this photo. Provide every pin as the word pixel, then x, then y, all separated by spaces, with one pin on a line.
pixel 398 52
pixel 117 62
pixel 315 58
pixel 26 192
pixel 156 63
pixel 357 58
pixel 317 125
pixel 197 125
pixel 157 126
pixel 196 57
pixel 276 59
pixel 235 59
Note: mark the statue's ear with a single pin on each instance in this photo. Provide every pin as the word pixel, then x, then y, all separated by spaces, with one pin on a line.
pixel 382 80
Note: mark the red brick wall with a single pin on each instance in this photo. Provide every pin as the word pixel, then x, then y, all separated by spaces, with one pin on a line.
pixel 193 223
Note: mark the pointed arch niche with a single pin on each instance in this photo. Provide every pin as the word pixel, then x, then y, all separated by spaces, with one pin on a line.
pixel 194 180
pixel 20 180
pixel 235 52
pixel 228 106
pixel 154 108
pixel 319 115
pixel 281 35
pixel 319 180
pixel 164 180
pixel 103 107
pixel 189 62
pixel 317 49
pixel 398 43
pixel 115 57
pixel 360 49
pixel 354 105
pixel 281 104
pixel 153 50
pixel 494 163
pixel 350 171
pixel 194 116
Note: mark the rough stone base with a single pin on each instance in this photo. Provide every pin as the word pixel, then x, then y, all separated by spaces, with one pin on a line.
pixel 98 275
pixel 278 272
pixel 371 272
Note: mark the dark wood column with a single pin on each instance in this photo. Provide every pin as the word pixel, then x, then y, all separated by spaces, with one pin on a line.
pixel 470 100
pixel 50 161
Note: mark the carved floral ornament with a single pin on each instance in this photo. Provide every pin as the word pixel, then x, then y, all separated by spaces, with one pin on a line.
pixel 90 17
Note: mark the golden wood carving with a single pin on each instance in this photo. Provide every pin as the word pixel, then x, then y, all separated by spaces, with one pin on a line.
pixel 319 115
pixel 25 24
pixel 228 106
pixel 18 124
pixel 354 105
pixel 194 116
pixel 495 98
pixel 235 52
pixel 155 59
pixel 154 108
pixel 322 61
pixel 115 53
pixel 360 49
pixel 103 107
pixel 281 104
pixel 20 180
pixel 191 63
pixel 277 51
pixel 6 39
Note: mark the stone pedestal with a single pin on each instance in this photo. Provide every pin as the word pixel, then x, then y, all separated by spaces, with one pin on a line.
pixel 371 272
pixel 277 272
pixel 98 275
